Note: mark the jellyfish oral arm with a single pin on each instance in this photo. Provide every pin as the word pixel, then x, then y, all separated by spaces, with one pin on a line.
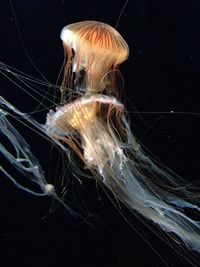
pixel 23 160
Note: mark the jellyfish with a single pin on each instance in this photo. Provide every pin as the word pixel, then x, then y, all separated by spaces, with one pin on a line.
pixel 93 52
pixel 92 121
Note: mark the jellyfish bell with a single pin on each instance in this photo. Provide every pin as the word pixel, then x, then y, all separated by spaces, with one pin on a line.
pixel 87 116
pixel 94 48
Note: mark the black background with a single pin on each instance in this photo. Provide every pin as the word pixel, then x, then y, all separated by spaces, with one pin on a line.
pixel 162 74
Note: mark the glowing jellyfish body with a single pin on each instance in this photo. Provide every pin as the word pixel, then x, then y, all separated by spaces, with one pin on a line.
pixel 94 48
pixel 93 123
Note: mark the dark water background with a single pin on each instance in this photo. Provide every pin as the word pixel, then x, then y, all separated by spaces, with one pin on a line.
pixel 162 74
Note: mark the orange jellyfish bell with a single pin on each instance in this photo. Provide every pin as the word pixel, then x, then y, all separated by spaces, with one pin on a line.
pixel 96 49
